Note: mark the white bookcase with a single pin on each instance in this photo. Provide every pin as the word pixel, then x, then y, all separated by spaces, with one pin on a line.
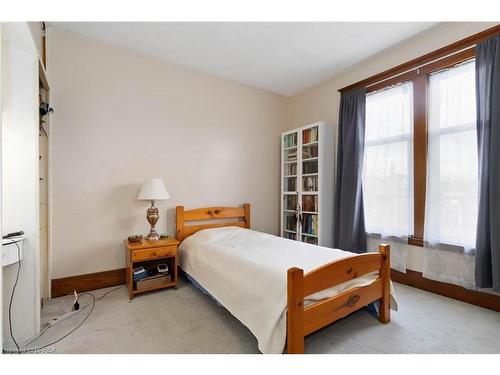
pixel 307 184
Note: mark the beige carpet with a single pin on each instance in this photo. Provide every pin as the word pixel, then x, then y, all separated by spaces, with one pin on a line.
pixel 187 321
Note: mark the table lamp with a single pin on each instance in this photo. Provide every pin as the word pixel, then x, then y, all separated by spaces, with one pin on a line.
pixel 153 190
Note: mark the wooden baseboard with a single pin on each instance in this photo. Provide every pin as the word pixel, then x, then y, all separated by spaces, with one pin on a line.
pixel 87 282
pixel 106 279
pixel 416 280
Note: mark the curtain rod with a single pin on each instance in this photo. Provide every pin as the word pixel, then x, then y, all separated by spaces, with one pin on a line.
pixel 418 67
pixel 419 62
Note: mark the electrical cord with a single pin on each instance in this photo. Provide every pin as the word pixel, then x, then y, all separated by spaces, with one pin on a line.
pixel 73 330
pixel 94 300
pixel 13 291
pixel 108 292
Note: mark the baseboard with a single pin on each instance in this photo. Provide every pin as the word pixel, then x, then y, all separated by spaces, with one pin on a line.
pixel 87 282
pixel 416 280
pixel 98 280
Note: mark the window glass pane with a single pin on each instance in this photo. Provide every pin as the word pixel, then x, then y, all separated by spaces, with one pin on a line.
pixel 385 188
pixel 388 162
pixel 452 97
pixel 452 181
pixel 389 112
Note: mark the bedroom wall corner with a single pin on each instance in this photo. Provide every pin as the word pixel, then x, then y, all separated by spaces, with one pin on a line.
pixel 121 117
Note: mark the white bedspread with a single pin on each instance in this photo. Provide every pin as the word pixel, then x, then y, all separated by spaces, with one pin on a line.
pixel 246 271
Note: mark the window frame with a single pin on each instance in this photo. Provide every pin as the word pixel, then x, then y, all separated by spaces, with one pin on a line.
pixel 420 79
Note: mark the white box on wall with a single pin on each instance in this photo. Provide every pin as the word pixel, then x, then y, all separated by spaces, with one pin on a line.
pixel 10 252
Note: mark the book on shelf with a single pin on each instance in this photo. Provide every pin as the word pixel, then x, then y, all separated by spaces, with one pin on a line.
pixel 309 203
pixel 310 183
pixel 291 184
pixel 290 202
pixel 311 240
pixel 310 135
pixel 310 167
pixel 309 152
pixel 290 140
pixel 291 155
pixel 291 223
pixel 315 225
pixel 291 169
pixel 310 224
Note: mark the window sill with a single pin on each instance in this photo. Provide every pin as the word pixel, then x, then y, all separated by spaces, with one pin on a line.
pixel 419 242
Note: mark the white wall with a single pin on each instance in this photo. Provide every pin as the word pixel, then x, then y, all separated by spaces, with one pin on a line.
pixel 19 103
pixel 120 118
pixel 37 35
pixel 321 102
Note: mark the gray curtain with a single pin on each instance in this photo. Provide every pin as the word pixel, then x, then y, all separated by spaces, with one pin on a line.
pixel 349 231
pixel 488 137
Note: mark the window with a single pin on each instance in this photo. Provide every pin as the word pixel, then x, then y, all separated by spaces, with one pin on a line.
pixel 452 172
pixel 420 167
pixel 388 161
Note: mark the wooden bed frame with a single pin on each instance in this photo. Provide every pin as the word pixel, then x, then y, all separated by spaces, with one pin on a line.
pixel 302 321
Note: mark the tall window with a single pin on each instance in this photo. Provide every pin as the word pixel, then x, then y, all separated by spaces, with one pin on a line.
pixel 420 172
pixel 452 171
pixel 388 162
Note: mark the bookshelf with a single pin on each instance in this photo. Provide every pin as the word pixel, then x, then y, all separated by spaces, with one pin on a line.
pixel 307 184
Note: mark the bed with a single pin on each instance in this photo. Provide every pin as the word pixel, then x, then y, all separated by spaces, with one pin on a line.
pixel 282 290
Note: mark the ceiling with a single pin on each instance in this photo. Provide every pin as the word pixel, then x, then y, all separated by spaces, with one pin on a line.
pixel 282 57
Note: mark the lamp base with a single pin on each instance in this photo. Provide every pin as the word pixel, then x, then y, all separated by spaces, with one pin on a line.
pixel 152 236
pixel 152 215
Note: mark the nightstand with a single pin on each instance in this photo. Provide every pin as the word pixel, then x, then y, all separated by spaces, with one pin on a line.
pixel 148 254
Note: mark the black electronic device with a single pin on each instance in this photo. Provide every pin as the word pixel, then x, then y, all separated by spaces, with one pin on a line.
pixel 13 234
pixel 45 108
pixel 162 268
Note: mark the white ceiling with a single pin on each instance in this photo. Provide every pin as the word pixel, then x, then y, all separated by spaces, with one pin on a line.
pixel 282 57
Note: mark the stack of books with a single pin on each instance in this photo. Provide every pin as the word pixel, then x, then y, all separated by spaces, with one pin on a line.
pixel 291 223
pixel 309 203
pixel 291 169
pixel 310 152
pixel 311 240
pixel 290 140
pixel 291 155
pixel 310 135
pixel 140 273
pixel 291 202
pixel 310 167
pixel 310 224
pixel 310 183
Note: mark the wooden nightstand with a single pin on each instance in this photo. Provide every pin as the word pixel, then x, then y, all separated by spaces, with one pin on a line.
pixel 147 254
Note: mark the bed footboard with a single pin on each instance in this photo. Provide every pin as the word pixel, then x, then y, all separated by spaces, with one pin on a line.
pixel 302 321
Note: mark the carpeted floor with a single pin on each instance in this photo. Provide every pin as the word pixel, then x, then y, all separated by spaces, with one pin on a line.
pixel 187 321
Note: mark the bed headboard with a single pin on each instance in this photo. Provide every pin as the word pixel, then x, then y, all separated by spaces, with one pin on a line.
pixel 210 213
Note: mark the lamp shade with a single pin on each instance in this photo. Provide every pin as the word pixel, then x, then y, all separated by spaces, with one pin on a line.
pixel 153 189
